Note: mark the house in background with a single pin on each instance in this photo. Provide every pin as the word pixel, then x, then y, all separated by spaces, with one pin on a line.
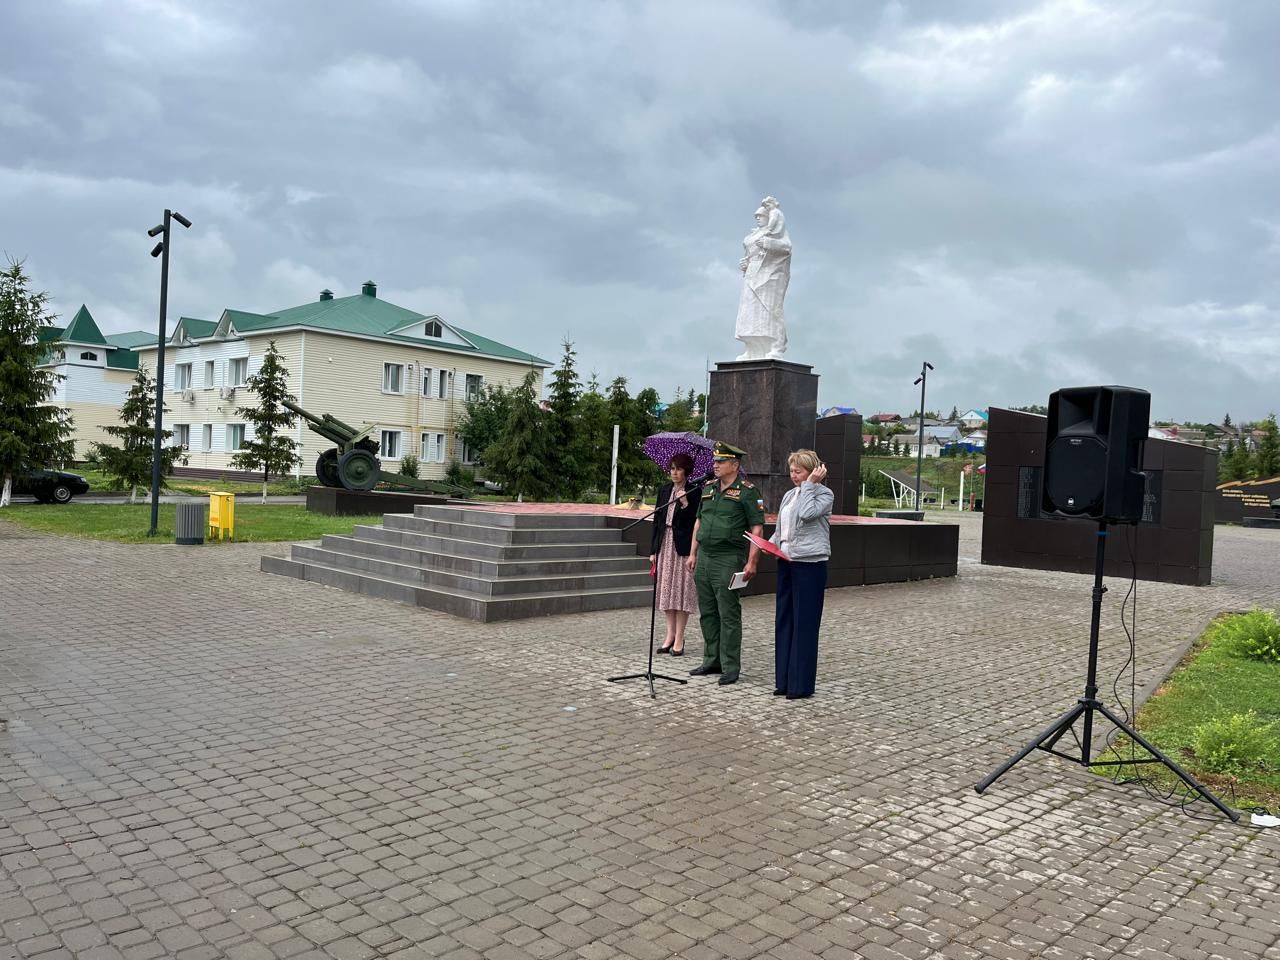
pixel 360 358
pixel 974 420
pixel 95 373
pixel 837 412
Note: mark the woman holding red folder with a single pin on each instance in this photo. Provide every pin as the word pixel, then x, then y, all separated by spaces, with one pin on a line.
pixel 803 533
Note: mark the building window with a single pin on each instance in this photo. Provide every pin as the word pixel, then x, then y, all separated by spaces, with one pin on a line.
pixel 235 436
pixel 473 387
pixel 208 374
pixel 393 378
pixel 426 381
pixel 433 329
pixel 182 376
pixel 237 371
pixel 468 455
pixel 441 448
pixel 442 385
pixel 182 435
pixel 390 444
pixel 89 355
pixel 206 437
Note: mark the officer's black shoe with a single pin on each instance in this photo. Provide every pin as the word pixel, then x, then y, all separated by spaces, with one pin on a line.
pixel 702 671
pixel 728 678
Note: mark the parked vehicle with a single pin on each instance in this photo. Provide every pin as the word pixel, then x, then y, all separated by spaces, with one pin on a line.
pixel 50 486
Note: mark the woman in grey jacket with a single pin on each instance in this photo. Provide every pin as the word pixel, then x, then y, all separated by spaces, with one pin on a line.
pixel 803 533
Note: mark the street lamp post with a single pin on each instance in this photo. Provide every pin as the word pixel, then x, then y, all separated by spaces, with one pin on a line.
pixel 161 250
pixel 924 373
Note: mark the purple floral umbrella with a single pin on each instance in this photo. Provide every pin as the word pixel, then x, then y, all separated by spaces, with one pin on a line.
pixel 661 447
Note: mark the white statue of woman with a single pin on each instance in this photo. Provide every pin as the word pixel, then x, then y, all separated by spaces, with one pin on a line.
pixel 766 269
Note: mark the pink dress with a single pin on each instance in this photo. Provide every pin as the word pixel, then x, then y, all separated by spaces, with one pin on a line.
pixel 675 583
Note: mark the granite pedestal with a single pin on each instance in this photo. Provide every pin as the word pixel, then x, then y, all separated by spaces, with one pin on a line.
pixel 768 408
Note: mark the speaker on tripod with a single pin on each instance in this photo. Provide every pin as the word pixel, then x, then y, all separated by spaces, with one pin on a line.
pixel 1093 470
pixel 1093 453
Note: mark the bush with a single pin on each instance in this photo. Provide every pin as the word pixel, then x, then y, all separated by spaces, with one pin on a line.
pixel 1236 745
pixel 409 466
pixel 1254 635
pixel 459 475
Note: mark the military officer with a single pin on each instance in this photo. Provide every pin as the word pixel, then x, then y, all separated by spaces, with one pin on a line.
pixel 728 509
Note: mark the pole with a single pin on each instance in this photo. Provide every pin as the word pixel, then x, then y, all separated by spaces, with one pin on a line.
pixel 960 501
pixel 920 445
pixel 613 473
pixel 164 324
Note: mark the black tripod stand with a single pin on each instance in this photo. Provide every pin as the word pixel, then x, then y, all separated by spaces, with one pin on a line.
pixel 1089 704
pixel 649 675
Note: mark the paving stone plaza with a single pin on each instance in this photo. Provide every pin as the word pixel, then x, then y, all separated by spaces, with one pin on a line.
pixel 203 761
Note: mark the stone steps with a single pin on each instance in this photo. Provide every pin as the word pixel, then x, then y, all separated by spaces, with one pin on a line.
pixel 479 564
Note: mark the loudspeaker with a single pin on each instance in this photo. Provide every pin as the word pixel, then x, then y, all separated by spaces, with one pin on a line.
pixel 1093 453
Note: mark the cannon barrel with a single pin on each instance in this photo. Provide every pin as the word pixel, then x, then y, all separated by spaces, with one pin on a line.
pixel 327 425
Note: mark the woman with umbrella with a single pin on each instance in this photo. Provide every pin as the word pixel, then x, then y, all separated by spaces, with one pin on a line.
pixel 677 509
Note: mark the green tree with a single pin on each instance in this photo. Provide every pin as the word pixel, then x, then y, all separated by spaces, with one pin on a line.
pixel 483 419
pixel 632 421
pixel 130 463
pixel 270 449
pixel 955 413
pixel 518 460
pixel 1226 421
pixel 1238 464
pixel 595 433
pixel 1267 458
pixel 567 447
pixel 32 432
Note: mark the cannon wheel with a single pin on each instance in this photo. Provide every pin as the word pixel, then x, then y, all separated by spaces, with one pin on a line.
pixel 358 469
pixel 327 468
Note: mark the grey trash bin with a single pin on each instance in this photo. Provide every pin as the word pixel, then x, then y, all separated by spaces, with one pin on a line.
pixel 191 522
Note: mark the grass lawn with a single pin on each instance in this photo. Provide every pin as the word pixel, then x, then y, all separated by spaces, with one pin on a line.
pixel 1213 684
pixel 255 523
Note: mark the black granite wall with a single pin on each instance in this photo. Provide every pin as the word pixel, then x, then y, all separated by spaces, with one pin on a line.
pixel 838 443
pixel 1173 544
pixel 1246 498
pixel 346 503
pixel 768 408
pixel 861 553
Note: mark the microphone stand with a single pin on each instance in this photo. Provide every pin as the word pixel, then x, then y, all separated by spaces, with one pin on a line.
pixel 649 675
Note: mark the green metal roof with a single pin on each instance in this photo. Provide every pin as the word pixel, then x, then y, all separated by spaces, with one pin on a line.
pixel 360 315
pixel 48 334
pixel 197 329
pixel 83 329
pixel 134 338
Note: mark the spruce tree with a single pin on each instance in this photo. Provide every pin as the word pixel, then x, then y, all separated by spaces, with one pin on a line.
pixel 1267 459
pixel 519 459
pixel 271 449
pixel 130 463
pixel 566 447
pixel 32 433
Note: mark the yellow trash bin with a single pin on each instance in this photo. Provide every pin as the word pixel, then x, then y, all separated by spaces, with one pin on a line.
pixel 222 516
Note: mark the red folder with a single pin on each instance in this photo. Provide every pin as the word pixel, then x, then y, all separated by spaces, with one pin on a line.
pixel 766 546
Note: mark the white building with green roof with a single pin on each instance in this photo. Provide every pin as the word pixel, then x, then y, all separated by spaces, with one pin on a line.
pixel 94 374
pixel 360 358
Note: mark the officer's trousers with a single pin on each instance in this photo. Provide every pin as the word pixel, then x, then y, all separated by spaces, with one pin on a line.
pixel 720 608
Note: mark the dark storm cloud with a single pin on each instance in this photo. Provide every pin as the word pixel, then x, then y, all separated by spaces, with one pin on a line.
pixel 1026 194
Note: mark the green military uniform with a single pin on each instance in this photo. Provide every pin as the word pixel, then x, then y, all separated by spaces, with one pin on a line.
pixel 723 517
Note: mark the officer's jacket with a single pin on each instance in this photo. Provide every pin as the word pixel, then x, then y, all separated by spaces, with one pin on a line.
pixel 725 515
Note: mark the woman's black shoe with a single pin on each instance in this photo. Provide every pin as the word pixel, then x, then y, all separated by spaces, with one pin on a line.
pixel 677 653
pixel 664 650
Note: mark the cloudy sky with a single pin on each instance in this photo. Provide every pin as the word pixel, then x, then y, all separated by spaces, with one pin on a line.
pixel 1027 194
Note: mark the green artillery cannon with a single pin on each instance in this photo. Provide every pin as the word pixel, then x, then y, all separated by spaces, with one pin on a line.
pixel 354 463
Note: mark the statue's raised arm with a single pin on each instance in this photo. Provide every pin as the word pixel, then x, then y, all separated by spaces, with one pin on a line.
pixel 766 268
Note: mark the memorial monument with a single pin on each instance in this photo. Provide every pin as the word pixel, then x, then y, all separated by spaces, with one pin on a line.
pixel 760 402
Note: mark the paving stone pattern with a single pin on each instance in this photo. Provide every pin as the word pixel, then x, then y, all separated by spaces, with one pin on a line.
pixel 204 761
